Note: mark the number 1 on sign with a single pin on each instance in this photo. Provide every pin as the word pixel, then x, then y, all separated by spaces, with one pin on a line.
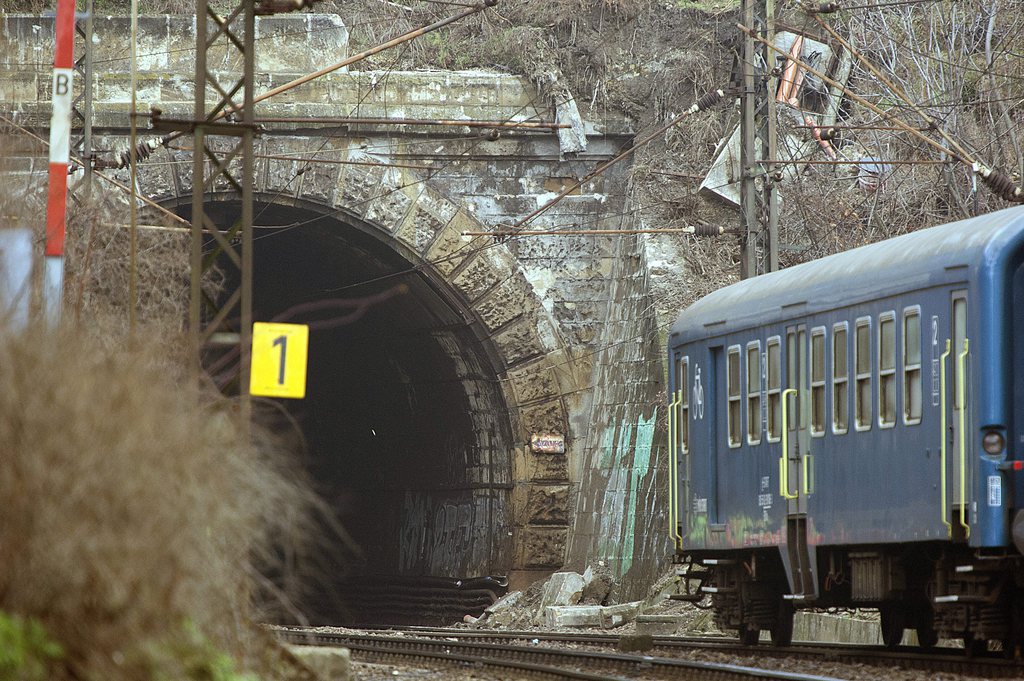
pixel 283 342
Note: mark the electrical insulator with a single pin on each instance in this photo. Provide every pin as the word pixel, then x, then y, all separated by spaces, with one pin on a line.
pixel 708 230
pixel 824 8
pixel 143 151
pixel 709 99
pixel 266 7
pixel 1001 184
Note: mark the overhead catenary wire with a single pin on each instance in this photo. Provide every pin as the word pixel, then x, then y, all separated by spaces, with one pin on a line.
pixel 348 61
pixel 997 181
pixel 700 230
pixel 835 6
pixel 120 185
pixel 931 124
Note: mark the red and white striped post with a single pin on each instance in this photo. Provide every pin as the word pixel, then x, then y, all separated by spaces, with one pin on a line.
pixel 60 143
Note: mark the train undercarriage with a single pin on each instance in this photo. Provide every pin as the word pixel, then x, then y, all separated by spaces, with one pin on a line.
pixel 937 591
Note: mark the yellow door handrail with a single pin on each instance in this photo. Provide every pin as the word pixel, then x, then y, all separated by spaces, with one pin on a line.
pixel 962 391
pixel 942 439
pixel 783 463
pixel 673 467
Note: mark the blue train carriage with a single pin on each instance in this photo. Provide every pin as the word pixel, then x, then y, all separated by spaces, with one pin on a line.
pixel 849 433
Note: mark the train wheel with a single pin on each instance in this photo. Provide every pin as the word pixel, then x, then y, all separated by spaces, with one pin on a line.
pixel 893 623
pixel 750 637
pixel 927 637
pixel 782 631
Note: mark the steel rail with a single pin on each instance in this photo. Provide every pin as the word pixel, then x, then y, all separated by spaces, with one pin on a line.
pixel 568 661
pixel 375 651
pixel 952 660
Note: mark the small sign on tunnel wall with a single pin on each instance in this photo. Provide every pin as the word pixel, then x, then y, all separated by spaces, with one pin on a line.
pixel 547 444
pixel 279 360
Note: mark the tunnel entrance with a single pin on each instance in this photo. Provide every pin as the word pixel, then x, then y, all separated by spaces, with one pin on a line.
pixel 406 430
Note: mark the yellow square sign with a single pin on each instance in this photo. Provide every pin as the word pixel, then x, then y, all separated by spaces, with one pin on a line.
pixel 279 360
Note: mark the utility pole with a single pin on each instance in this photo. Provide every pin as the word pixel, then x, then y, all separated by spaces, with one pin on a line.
pixel 81 107
pixel 759 201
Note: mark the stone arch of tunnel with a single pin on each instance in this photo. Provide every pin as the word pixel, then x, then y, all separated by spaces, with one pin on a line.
pixel 418 411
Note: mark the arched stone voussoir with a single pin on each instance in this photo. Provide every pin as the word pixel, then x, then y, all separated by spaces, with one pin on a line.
pixel 427 218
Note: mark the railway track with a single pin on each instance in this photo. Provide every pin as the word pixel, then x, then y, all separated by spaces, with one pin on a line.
pixel 526 659
pixel 947 660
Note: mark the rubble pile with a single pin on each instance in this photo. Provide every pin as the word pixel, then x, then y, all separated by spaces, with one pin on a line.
pixel 587 600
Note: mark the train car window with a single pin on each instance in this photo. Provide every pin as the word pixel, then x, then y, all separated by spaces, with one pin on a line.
pixel 862 366
pixel 801 344
pixel 683 385
pixel 818 381
pixel 912 365
pixel 887 369
pixel 733 390
pixel 754 393
pixel 840 379
pixel 959 334
pixel 774 389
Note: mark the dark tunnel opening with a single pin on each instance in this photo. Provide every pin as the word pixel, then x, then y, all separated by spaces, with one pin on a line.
pixel 406 430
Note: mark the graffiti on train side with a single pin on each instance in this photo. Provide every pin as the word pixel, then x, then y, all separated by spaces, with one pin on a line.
pixel 442 535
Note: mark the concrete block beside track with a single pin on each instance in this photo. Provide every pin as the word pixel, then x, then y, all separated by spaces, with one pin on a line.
pixel 573 615
pixel 658 625
pixel 330 664
pixel 827 628
pixel 616 615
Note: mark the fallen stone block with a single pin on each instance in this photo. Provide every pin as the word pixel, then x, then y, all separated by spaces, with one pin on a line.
pixel 562 588
pixel 573 615
pixel 616 615
pixel 599 584
pixel 330 664
pixel 506 602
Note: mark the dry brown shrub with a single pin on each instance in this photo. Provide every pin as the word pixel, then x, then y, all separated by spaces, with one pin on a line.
pixel 133 512
pixel 98 268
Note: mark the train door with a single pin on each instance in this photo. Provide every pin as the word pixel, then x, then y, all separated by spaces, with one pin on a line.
pixel 957 416
pixel 794 471
pixel 679 450
pixel 715 380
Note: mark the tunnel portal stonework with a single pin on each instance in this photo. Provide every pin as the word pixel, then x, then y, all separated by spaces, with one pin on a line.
pixel 568 320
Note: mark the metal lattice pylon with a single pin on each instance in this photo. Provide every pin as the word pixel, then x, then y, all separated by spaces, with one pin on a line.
pixel 223 153
pixel 759 200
